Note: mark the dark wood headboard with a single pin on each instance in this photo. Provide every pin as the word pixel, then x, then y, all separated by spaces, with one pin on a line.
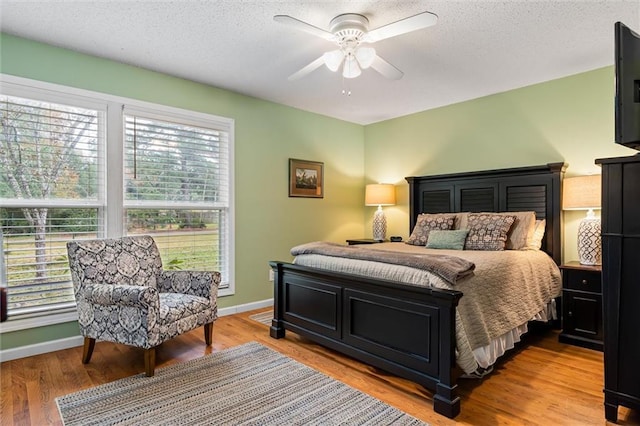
pixel 535 188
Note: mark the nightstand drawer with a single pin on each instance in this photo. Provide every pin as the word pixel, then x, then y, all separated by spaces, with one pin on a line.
pixel 575 279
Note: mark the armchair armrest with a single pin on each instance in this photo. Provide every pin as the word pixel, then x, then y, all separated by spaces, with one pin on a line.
pixel 196 283
pixel 121 294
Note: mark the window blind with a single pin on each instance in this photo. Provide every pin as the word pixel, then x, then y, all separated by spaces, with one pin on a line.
pixel 177 183
pixel 51 162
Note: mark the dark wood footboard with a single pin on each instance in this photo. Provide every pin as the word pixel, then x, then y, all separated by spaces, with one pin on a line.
pixel 406 330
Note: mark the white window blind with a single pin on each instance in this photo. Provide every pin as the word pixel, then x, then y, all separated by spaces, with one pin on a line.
pixel 177 186
pixel 50 192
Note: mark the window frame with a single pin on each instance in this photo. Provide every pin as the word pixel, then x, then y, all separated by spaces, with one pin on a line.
pixel 112 200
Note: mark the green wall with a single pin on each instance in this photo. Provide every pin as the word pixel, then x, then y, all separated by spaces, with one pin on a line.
pixel 267 222
pixel 569 119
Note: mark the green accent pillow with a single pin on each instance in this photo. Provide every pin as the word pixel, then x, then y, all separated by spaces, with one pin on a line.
pixel 453 240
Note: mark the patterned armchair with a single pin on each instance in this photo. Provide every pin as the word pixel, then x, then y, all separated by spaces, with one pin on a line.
pixel 123 295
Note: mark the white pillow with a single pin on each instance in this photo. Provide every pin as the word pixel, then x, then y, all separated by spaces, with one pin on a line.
pixel 535 241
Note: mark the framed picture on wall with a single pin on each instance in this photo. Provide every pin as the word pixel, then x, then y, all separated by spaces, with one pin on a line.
pixel 306 178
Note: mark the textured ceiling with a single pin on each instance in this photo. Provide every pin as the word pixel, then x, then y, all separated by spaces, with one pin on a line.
pixel 477 48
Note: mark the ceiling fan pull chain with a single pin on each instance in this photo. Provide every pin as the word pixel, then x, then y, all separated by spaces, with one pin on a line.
pixel 345 90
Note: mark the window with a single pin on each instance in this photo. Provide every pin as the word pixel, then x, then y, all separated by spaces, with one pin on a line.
pixel 50 192
pixel 177 187
pixel 169 175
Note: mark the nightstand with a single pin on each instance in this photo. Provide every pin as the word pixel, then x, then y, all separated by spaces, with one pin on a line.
pixel 364 241
pixel 582 305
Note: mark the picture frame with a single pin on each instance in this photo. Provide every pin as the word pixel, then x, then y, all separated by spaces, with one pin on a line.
pixel 306 178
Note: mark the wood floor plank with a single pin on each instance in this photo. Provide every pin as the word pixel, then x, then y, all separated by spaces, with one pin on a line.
pixel 18 392
pixel 6 400
pixel 540 382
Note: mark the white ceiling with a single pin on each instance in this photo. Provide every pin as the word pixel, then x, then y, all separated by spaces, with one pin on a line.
pixel 477 47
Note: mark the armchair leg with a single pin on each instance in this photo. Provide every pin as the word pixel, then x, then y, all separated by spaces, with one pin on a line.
pixel 208 333
pixel 150 361
pixel 87 351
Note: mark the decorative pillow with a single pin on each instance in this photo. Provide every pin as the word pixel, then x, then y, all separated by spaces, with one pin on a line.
pixel 453 240
pixel 427 222
pixel 521 230
pixel 488 231
pixel 461 220
pixel 535 242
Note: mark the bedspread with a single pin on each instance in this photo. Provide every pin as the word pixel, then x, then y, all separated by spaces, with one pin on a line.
pixel 507 289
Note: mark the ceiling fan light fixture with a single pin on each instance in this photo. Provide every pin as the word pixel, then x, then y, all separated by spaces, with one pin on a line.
pixel 365 56
pixel 350 68
pixel 333 59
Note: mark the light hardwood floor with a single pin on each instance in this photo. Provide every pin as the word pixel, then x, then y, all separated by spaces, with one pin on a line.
pixel 541 382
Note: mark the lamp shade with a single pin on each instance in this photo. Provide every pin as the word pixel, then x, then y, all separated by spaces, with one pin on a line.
pixel 581 193
pixel 380 194
pixel 365 56
pixel 350 69
pixel 333 59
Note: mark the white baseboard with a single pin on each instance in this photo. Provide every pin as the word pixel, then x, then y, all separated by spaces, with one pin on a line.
pixel 244 308
pixel 72 342
pixel 40 348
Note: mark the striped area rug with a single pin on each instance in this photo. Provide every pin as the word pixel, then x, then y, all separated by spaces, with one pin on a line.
pixel 245 385
pixel 263 317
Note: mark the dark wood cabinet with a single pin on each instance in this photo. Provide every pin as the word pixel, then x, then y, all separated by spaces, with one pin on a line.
pixel 582 305
pixel 621 282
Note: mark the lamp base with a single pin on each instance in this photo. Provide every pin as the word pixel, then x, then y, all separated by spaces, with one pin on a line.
pixel 589 241
pixel 379 225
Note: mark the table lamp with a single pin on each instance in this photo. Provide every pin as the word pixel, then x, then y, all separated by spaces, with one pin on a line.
pixel 583 193
pixel 381 194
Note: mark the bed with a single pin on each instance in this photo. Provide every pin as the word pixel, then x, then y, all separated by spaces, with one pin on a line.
pixel 410 330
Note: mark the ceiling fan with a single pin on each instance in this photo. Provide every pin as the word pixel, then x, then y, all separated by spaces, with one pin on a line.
pixel 350 31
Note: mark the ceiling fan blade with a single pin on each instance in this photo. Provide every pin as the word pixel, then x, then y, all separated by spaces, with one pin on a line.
pixel 386 69
pixel 303 26
pixel 403 26
pixel 307 69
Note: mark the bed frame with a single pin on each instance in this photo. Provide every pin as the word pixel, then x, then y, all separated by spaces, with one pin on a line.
pixel 406 330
